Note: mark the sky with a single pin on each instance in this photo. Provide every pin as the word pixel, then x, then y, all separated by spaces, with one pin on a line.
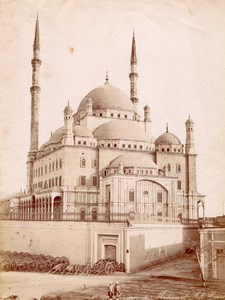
pixel 181 66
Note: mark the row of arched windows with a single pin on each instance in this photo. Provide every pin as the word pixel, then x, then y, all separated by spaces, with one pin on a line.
pixel 83 162
pixel 178 168
pixel 57 181
pixel 51 167
pixel 128 146
pixel 94 215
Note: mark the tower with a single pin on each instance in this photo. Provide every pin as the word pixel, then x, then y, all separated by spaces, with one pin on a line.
pixel 133 74
pixel 191 178
pixel 35 94
pixel 68 126
pixel 189 146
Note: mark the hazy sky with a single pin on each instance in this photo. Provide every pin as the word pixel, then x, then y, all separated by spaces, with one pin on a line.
pixel 181 66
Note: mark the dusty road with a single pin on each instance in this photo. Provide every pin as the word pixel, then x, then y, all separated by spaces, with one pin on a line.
pixel 178 279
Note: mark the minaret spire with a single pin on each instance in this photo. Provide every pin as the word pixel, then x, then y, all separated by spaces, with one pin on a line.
pixel 35 94
pixel 36 45
pixel 133 74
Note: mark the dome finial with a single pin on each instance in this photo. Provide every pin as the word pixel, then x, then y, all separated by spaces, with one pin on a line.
pixel 167 127
pixel 107 77
pixel 68 103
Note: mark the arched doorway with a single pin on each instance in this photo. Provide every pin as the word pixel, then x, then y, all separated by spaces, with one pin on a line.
pixel 57 208
pixel 200 210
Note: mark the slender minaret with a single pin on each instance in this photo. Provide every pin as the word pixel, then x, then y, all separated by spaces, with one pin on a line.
pixel 133 74
pixel 35 93
pixel 189 146
pixel 191 178
pixel 68 126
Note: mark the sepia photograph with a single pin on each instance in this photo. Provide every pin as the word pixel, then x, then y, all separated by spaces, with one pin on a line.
pixel 112 162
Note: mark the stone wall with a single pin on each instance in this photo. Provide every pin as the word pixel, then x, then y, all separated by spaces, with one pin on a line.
pixel 151 244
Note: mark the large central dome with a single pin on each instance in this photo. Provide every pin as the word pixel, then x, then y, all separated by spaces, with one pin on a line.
pixel 121 130
pixel 107 96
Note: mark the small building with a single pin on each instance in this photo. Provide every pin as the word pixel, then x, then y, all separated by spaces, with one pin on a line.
pixel 212 249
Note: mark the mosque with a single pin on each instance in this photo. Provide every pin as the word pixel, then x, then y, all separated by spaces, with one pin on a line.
pixel 102 186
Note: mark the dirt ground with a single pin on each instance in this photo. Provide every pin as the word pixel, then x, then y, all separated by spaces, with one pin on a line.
pixel 178 279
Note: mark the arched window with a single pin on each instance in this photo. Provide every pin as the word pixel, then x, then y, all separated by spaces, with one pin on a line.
pixel 94 214
pixel 169 167
pixel 60 163
pixel 46 169
pixel 178 168
pixel 94 163
pixel 131 195
pixel 83 162
pixel 56 164
pixel 82 214
pixel 159 196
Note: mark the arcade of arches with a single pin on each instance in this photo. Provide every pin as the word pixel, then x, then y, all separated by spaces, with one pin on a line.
pixel 46 208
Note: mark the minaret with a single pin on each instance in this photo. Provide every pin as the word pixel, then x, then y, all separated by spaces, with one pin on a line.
pixel 189 146
pixel 35 93
pixel 133 74
pixel 191 178
pixel 68 126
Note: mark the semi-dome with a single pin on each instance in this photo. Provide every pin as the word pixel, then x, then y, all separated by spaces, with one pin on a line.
pixel 167 138
pixel 107 96
pixel 82 131
pixel 120 130
pixel 57 136
pixel 134 160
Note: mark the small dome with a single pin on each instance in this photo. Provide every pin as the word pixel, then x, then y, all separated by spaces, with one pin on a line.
pixel 189 120
pixel 82 131
pixel 120 130
pixel 134 160
pixel 68 110
pixel 167 138
pixel 107 96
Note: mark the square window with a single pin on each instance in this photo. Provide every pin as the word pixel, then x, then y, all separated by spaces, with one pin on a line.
pixel 82 180
pixel 94 181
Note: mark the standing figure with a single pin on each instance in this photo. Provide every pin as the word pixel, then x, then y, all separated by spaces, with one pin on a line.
pixel 110 291
pixel 117 290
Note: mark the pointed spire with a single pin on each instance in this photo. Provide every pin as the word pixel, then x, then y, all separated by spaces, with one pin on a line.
pixel 133 50
pixel 107 77
pixel 36 44
pixel 167 127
